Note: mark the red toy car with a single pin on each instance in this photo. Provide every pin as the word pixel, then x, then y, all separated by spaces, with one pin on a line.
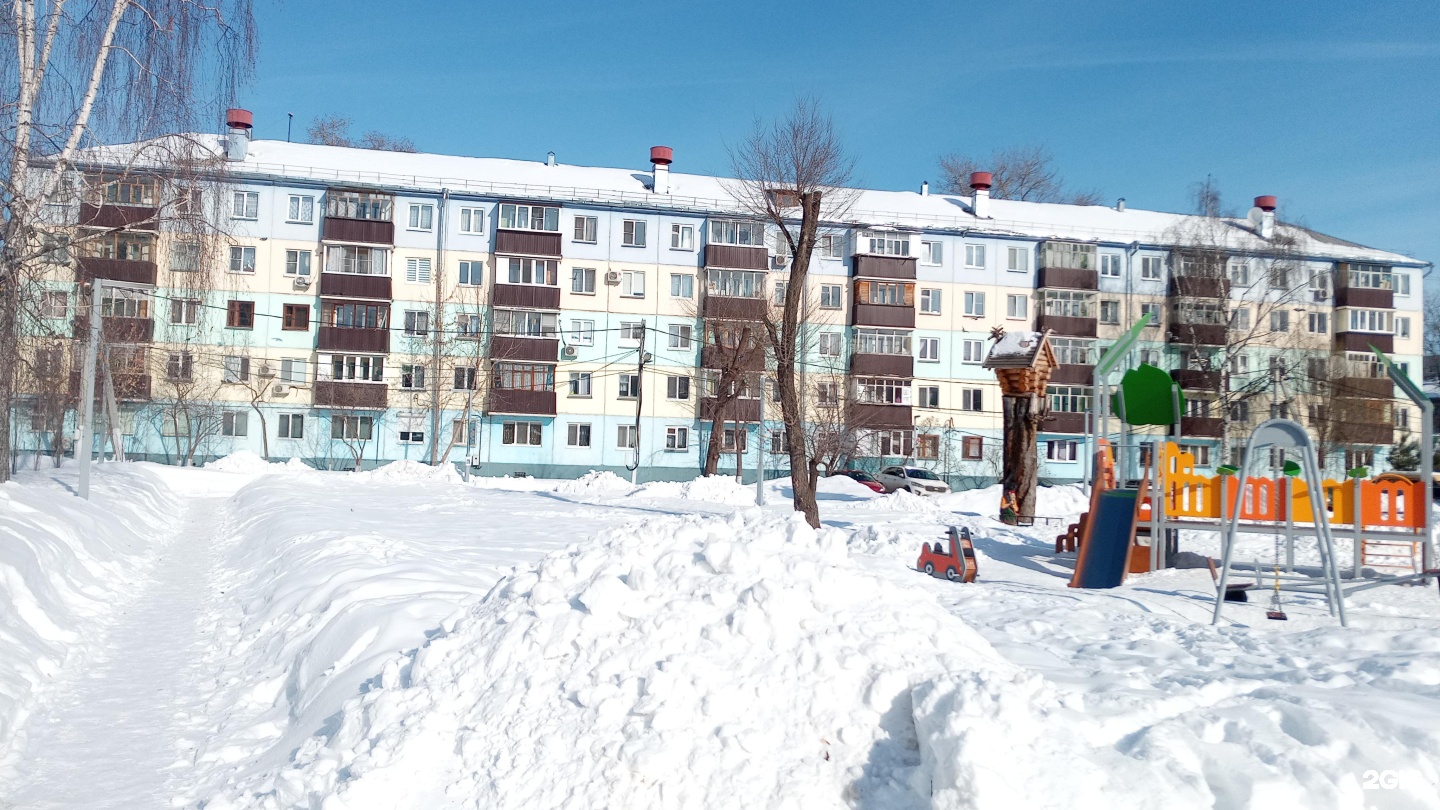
pixel 956 565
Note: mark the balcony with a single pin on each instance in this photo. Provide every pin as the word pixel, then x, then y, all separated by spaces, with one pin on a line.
pixel 1363 387
pixel 1364 297
pixel 351 285
pixel 120 330
pixel 719 357
pixel 1362 341
pixel 1069 278
pixel 527 243
pixel 727 308
pixel 336 394
pixel 1378 433
pixel 862 415
pixel 1208 426
pixel 543 350
pixel 1066 325
pixel 737 257
pixel 884 267
pixel 743 409
pixel 1203 334
pixel 358 340
pixel 364 231
pixel 88 268
pixel 1194 380
pixel 1200 287
pixel 521 401
pixel 1064 422
pixel 882 365
pixel 130 217
pixel 526 296
pixel 128 387
pixel 889 315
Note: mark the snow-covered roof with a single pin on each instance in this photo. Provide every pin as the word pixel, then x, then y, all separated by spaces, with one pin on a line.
pixel 525 179
pixel 1015 350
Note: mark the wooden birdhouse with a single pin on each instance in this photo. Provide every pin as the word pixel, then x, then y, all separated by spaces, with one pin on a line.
pixel 1022 361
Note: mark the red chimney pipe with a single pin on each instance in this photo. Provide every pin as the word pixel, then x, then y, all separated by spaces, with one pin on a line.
pixel 662 155
pixel 1265 202
pixel 981 180
pixel 239 119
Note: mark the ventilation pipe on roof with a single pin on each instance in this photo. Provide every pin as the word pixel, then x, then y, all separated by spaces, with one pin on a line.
pixel 549 158
pixel 924 188
pixel 1120 204
pixel 660 159
pixel 981 182
pixel 238 124
pixel 1263 215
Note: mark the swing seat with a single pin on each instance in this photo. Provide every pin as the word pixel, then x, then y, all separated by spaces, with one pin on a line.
pixel 1236 591
pixel 1276 615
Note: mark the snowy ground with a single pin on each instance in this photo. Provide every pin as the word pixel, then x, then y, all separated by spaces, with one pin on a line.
pixel 265 636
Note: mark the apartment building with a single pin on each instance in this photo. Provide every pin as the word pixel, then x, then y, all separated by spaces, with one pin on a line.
pixel 356 307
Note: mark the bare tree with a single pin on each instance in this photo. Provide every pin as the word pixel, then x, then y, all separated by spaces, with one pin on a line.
pixel 334 130
pixel 1023 173
pixel 734 354
pixel 794 174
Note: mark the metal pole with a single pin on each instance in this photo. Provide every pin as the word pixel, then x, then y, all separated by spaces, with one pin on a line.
pixel 87 389
pixel 290 119
pixel 639 398
pixel 112 413
pixel 439 328
pixel 760 450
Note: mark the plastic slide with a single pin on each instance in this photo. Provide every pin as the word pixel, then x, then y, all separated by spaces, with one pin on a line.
pixel 1105 552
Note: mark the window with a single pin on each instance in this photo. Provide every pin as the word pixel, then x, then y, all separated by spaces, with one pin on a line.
pixel 417 271
pixel 184 257
pixel 358 205
pixel 237 369
pixel 632 233
pixel 929 350
pixel 234 423
pixel 882 341
pixel 972 448
pixel 585 232
pixel 1280 410
pixel 1110 265
pixel 975 304
pixel 1369 276
pixel 297 263
pixel 582 332
pixel 352 428
pixel 469 325
pixel 301 209
pixel 682 237
pixel 1062 450
pixel 462 431
pixel 890 294
pixel 472 220
pixel 245 205
pixel 577 434
pixel 1359 458
pixel 464 378
pixel 296 317
pixel 1070 398
pixel 732 440
pixel 680 335
pixel 632 332
pixel 888 244
pixel 893 442
pixel 882 391
pixel 677 387
pixel 1150 357
pixel 1153 310
pixel 184 311
pixel 126 245
pixel 1238 271
pixel 629 386
pixel 1402 327
pixel 829 245
pixel 682 285
pixel 735 283
pixel 412 376
pixel 1017 306
pixel 830 343
pixel 632 284
pixel 412 427
pixel 471 273
pixel 526 323
pixel 1069 303
pixel 124 190
pixel 1372 320
pixel 421 217
pixel 932 253
pixel 1401 281
pixel 1201 453
pixel 778 442
pixel 1402 418
pixel 778 299
pixel 1017 259
pixel 180 366
pixel 1240 412
pixel 352 367
pixel 56 304
pixel 417 322
pixel 975 256
pixel 626 436
pixel 538 272
pixel 124 303
pixel 737 232
pixel 528 433
pixel 1242 319
pixel 240 314
pixel 1150 267
pixel 530 217
pixel 927 396
pixel 582 280
pixel 831 296
pixel 293 370
pixel 1073 351
pixel 972 351
pixel 827 393
pixel 242 259
pixel 972 399
pixel 1319 322
pixel 579 383
pixel 1280 321
pixel 292 426
pixel 930 301
pixel 359 261
pixel 677 438
pixel 1109 312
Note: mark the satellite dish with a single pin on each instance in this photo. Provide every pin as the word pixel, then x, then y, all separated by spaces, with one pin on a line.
pixel 1255 216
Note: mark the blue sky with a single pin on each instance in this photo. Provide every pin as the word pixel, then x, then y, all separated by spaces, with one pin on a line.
pixel 1333 107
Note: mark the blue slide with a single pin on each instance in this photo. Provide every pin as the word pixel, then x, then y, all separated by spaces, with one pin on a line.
pixel 1105 554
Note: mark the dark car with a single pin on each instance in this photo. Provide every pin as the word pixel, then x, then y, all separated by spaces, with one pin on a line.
pixel 862 477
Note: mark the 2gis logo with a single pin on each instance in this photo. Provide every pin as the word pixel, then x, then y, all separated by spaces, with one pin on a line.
pixel 1407 779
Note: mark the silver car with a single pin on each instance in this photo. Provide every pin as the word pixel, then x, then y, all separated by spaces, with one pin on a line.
pixel 911 479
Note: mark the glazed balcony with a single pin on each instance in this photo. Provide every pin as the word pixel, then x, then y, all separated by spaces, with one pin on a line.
pixel 341 394
pixel 522 401
pixel 89 268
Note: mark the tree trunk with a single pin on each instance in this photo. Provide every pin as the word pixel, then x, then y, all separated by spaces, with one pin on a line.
pixel 9 361
pixel 1022 460
pixel 786 349
pixel 712 447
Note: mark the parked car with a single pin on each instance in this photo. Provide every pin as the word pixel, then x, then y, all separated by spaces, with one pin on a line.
pixel 911 479
pixel 862 477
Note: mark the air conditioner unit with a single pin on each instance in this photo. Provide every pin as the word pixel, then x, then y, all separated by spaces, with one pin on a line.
pixel 302 282
pixel 280 390
pixel 265 370
pixel 568 352
pixel 780 261
pixel 612 277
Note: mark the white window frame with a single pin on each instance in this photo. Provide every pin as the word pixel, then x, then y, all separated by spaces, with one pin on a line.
pixel 584 279
pixel 578 434
pixel 632 284
pixel 1152 268
pixel 585 229
pixel 972 351
pixel 682 285
pixel 242 251
pixel 632 233
pixel 1062 450
pixel 581 385
pixel 1018 313
pixel 974 304
pixel 682 236
pixel 300 209
pixel 932 253
pixel 290 426
pixel 831 344
pixel 928 349
pixel 582 332
pixel 974 257
pixel 972 399
pixel 677 439
pixel 677 387
pixel 1110 265
pixel 681 335
pixel 418 270
pixel 245 205
pixel 627 437
pixel 471 273
pixel 1017 260
pixel 835 293
pixel 470 220
pixel 930 300
pixel 534 434
pixel 298 263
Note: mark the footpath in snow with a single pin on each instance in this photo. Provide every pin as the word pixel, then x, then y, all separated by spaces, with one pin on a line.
pixel 398 639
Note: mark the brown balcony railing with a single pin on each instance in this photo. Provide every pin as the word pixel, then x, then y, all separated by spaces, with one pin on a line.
pixel 1063 422
pixel 865 415
pixel 520 401
pixel 741 409
pixel 366 395
pixel 884 267
pixel 352 285
pixel 128 387
pixel 526 295
pixel 1072 374
pixel 505 347
pixel 1069 278
pixel 724 307
pixel 737 257
pixel 365 231
pixel 883 365
pixel 88 268
pixel 1065 325
pixel 1200 287
pixel 1362 341
pixel 130 217
pixel 527 243
pixel 1363 387
pixel 1195 380
pixel 1208 426
pixel 353 339
pixel 712 356
pixel 1364 297
pixel 899 317
pixel 1204 334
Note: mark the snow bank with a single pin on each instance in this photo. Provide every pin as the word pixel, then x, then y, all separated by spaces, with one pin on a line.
pixel 595 484
pixel 64 563
pixel 702 662
pixel 1061 501
pixel 247 462
pixel 902 501
pixel 407 471
pixel 711 489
